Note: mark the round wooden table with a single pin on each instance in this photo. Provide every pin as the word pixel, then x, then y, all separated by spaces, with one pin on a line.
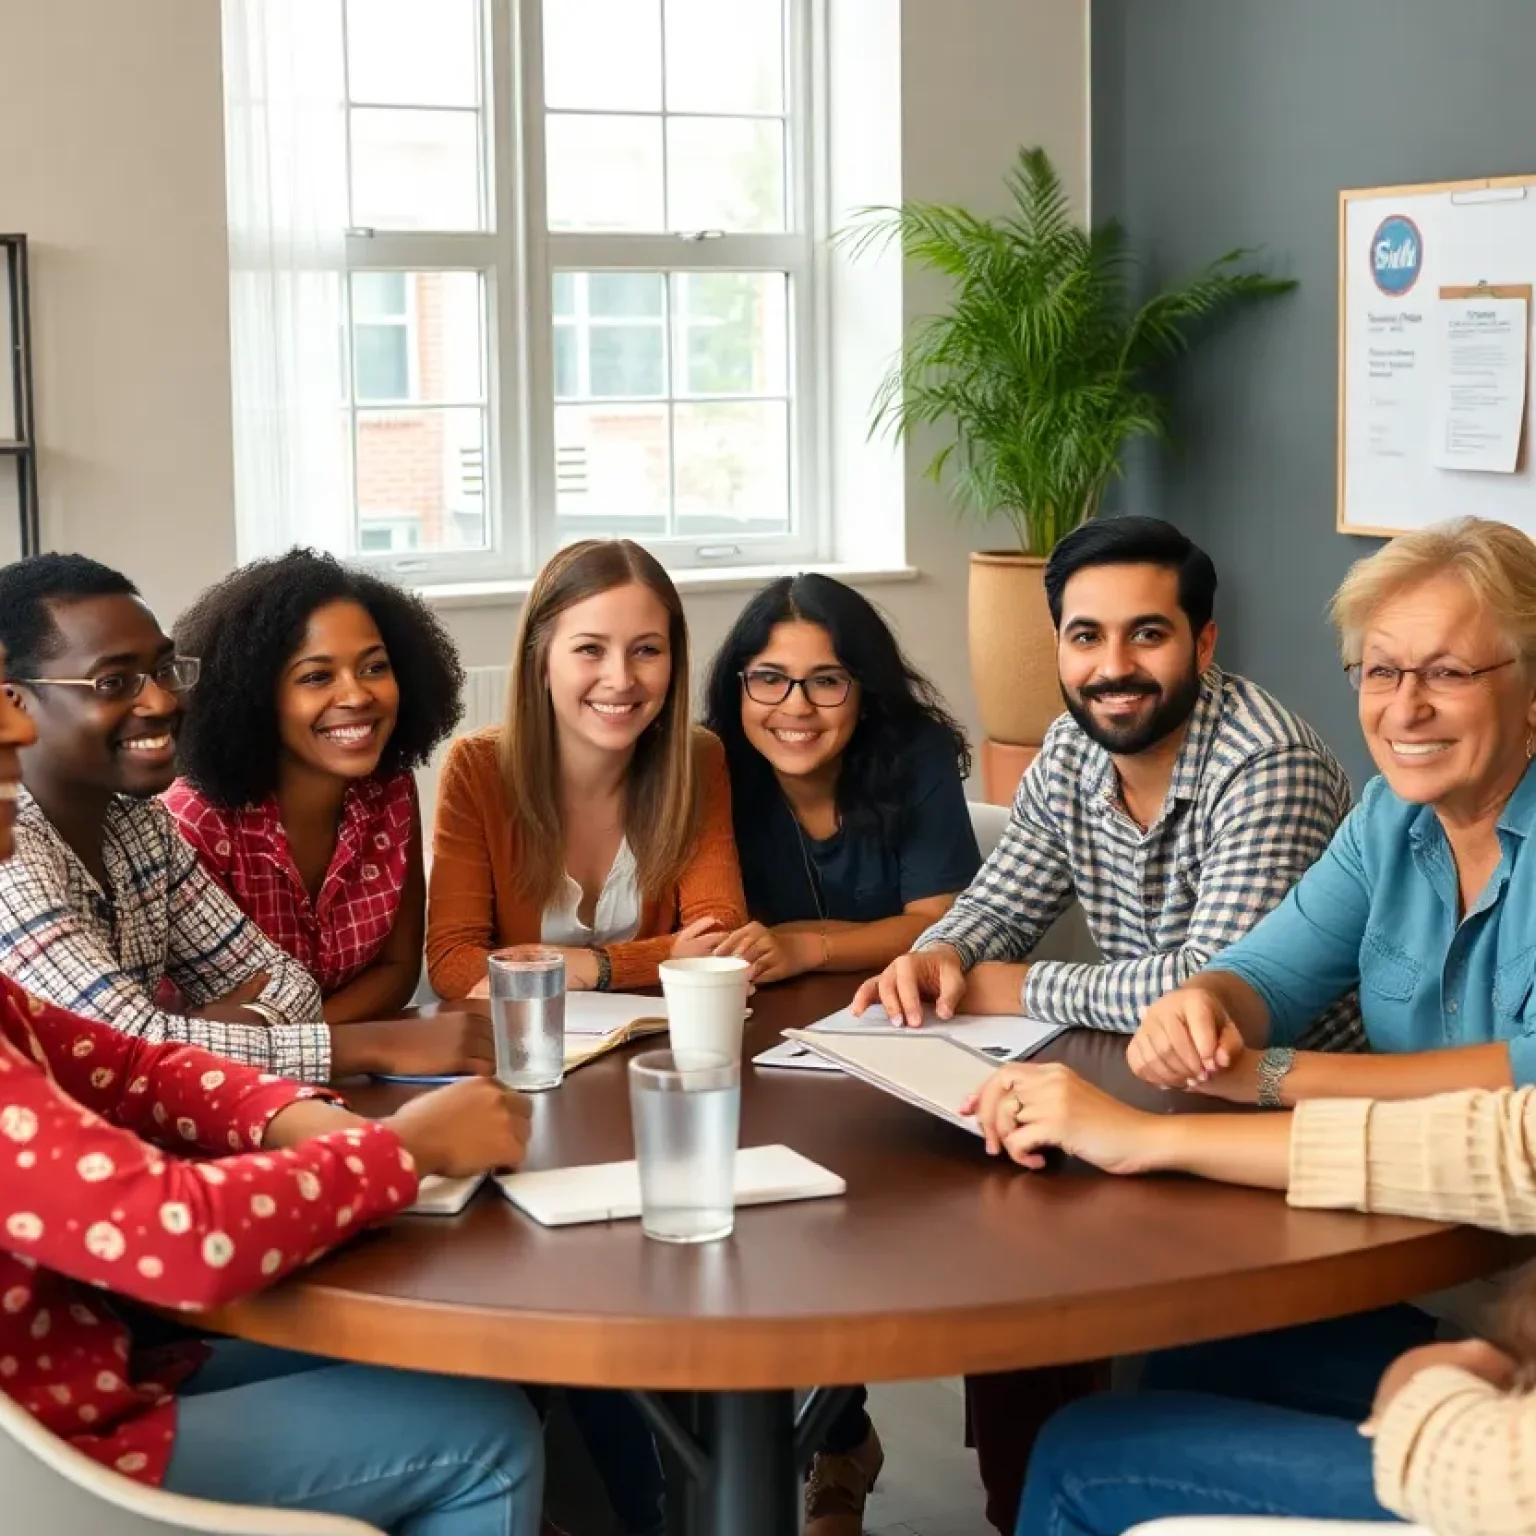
pixel 938 1261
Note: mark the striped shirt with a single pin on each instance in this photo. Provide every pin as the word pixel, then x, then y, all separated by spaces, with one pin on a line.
pixel 1252 802
pixel 104 954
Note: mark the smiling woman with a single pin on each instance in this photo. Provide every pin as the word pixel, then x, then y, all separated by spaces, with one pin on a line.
pixel 597 818
pixel 322 689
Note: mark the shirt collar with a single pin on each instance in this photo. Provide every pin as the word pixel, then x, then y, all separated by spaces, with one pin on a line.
pixel 1518 817
pixel 1103 784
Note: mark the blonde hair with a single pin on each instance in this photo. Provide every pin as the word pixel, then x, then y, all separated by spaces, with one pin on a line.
pixel 661 803
pixel 1496 561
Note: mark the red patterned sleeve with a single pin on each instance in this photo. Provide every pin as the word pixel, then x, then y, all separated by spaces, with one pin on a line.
pixel 82 1193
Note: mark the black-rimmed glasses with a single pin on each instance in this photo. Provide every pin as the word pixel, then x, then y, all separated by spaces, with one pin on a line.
pixel 178 675
pixel 767 685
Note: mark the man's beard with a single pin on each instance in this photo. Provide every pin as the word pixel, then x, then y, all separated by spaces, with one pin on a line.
pixel 1167 716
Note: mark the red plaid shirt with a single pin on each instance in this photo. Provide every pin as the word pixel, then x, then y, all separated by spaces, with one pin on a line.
pixel 339 935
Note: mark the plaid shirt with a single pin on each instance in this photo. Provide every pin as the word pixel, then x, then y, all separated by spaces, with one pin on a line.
pixel 340 934
pixel 105 954
pixel 1253 801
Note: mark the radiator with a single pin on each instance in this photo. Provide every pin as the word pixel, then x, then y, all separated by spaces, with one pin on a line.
pixel 485 703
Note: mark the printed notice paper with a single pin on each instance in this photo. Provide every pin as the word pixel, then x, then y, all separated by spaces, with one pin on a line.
pixel 1479 383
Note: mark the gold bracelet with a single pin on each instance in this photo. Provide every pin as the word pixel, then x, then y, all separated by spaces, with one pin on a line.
pixel 826 949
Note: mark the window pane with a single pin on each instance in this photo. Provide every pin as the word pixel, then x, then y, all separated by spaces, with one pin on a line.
pixel 604 173
pixel 378 295
pixel 414 53
pixel 567 362
pixel 627 360
pixel 613 294
pixel 421 476
pixel 612 474
pixel 732 467
pixel 382 357
pixel 733 333
pixel 604 55
pixel 725 173
pixel 415 169
pixel 433 347
pixel 725 55
pixel 565 293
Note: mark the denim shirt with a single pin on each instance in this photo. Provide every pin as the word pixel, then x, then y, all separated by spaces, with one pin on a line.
pixel 1379 910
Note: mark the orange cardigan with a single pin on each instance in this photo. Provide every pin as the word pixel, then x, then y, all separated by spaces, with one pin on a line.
pixel 474 907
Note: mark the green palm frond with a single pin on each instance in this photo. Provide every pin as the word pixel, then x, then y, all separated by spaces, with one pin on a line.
pixel 1039 368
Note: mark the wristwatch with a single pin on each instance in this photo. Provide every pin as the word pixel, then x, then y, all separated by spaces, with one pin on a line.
pixel 1273 1065
pixel 604 969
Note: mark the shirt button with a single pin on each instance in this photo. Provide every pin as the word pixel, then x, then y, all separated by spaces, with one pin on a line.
pixel 1453 1006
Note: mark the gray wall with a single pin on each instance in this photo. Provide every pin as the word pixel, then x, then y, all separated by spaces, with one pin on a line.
pixel 1219 123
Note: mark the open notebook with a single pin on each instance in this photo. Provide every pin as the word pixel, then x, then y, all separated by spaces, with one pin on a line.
pixel 595 1023
pixel 563 1197
pixel 933 1072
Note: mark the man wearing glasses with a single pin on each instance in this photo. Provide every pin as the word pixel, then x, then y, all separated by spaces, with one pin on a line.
pixel 103 904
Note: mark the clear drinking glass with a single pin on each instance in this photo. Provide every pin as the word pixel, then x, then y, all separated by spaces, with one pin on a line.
pixel 686 1114
pixel 528 1016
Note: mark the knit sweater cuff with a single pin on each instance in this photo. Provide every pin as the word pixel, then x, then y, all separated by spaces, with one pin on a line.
pixel 1408 1423
pixel 1329 1153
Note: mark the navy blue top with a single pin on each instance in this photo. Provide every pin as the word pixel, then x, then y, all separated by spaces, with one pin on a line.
pixel 862 877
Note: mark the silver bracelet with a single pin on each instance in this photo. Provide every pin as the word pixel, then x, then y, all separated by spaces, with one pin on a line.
pixel 266 1012
pixel 1273 1066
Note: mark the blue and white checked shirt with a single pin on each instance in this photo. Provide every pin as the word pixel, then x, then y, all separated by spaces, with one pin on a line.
pixel 103 954
pixel 1254 798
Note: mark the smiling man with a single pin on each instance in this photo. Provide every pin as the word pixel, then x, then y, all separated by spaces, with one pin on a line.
pixel 1177 803
pixel 102 903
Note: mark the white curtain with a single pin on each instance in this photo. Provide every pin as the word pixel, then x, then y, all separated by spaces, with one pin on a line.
pixel 285 146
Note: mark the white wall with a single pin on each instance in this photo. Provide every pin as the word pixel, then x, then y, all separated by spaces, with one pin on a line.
pixel 111 114
pixel 111 118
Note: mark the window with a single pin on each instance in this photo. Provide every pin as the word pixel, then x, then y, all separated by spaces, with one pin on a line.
pixel 580 296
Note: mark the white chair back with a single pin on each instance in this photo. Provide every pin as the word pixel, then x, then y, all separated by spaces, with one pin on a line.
pixel 51 1487
pixel 987 822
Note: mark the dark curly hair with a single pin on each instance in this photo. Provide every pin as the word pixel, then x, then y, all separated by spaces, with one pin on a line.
pixel 897 703
pixel 247 627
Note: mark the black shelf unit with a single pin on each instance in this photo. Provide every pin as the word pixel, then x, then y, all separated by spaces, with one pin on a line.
pixel 21 445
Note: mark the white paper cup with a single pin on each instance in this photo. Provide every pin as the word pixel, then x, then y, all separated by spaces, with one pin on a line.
pixel 706 1003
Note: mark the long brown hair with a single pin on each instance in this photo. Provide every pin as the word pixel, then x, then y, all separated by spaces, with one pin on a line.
pixel 661 801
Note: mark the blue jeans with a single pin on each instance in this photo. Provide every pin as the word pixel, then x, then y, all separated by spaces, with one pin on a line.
pixel 1262 1425
pixel 414 1454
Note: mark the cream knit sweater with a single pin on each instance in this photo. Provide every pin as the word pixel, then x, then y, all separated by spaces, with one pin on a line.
pixel 1451 1451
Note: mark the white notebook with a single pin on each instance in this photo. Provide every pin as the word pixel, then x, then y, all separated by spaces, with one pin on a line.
pixel 439 1196
pixel 562 1197
pixel 932 1072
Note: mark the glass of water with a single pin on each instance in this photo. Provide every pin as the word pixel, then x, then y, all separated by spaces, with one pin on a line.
pixel 528 1016
pixel 686 1111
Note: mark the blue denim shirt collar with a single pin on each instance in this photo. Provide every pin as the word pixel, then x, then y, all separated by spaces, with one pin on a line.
pixel 1431 850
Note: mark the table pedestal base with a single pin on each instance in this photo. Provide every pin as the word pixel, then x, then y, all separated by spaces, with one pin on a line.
pixel 745 1453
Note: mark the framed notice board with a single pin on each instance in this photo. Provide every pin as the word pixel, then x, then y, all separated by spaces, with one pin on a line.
pixel 1437 368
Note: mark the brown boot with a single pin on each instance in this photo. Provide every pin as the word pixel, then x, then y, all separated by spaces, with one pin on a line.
pixel 837 1487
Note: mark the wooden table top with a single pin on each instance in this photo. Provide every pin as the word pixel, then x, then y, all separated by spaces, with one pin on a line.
pixel 938 1261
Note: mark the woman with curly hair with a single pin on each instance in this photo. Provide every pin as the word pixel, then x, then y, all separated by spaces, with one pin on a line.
pixel 322 688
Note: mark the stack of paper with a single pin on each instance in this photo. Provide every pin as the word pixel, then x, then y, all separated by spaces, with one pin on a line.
pixel 1007 1037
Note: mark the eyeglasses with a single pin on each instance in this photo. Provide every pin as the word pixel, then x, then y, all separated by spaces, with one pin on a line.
pixel 826 690
pixel 178 675
pixel 1378 677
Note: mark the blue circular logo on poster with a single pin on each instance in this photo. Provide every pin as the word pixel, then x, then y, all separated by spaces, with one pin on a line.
pixel 1397 254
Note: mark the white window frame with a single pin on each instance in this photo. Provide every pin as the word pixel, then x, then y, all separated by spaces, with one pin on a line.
pixel 515 255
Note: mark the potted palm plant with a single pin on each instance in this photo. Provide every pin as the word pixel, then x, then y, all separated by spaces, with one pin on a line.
pixel 1040 372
